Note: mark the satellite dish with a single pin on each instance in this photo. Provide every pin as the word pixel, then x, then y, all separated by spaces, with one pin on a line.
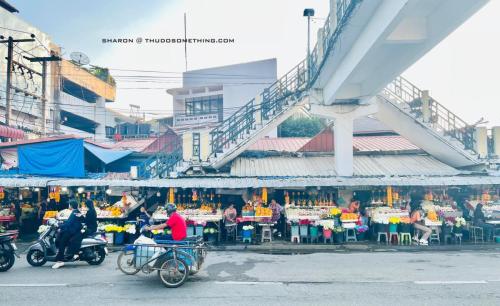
pixel 79 58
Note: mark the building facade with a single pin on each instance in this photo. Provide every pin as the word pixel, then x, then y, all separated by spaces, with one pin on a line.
pixel 208 96
pixel 75 96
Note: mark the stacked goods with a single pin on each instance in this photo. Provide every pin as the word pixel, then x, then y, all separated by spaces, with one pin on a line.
pixel 349 217
pixel 263 211
pixel 247 210
pixel 50 214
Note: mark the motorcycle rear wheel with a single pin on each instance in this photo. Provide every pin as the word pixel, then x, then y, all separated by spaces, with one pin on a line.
pixel 100 255
pixel 6 261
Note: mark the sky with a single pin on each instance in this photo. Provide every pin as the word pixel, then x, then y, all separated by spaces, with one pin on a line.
pixel 461 72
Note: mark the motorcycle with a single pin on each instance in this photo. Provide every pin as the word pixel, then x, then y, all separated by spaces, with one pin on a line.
pixel 7 250
pixel 93 250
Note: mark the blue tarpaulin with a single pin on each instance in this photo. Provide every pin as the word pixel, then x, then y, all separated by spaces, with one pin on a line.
pixel 107 156
pixel 62 158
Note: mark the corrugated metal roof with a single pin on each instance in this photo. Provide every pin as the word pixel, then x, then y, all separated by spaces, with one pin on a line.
pixel 37 140
pixel 382 143
pixel 137 145
pixel 285 144
pixel 323 142
pixel 364 166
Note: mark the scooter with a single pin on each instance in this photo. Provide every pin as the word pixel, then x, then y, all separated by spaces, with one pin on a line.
pixel 7 250
pixel 93 250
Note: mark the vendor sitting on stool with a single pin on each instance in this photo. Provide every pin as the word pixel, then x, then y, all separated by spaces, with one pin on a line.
pixel 479 220
pixel 176 223
pixel 230 215
pixel 416 219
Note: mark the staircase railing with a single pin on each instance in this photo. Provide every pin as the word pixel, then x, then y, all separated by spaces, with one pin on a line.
pixel 276 98
pixel 401 91
pixel 164 161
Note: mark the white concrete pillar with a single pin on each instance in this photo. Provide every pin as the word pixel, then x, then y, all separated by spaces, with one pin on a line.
pixel 343 142
pixel 495 134
pixel 426 106
pixel 100 118
pixel 320 44
pixel 481 141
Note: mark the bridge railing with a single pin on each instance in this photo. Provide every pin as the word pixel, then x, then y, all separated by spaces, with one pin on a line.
pixel 276 97
pixel 162 161
pixel 403 92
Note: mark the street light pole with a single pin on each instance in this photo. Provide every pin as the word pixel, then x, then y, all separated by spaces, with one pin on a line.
pixel 308 12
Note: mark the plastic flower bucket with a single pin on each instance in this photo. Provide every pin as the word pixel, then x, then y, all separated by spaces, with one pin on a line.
pixel 119 238
pixel 327 233
pixel 199 230
pixel 404 227
pixel 393 228
pixel 294 230
pixel 246 234
pixel 110 237
pixel 190 231
pixel 313 231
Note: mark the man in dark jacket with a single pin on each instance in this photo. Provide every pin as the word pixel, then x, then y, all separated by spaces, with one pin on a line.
pixel 71 229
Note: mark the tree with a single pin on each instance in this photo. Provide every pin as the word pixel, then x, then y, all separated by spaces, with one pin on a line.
pixel 300 127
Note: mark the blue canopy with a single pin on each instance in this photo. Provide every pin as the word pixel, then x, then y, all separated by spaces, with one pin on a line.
pixel 62 158
pixel 107 156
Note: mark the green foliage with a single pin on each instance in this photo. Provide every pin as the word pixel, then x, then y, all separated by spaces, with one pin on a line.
pixel 300 127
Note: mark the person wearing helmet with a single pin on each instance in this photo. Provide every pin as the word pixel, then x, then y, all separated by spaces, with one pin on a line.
pixel 176 223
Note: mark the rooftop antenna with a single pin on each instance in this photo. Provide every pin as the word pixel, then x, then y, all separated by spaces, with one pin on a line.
pixel 185 42
pixel 79 58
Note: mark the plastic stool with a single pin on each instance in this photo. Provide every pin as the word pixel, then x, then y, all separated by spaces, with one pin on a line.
pixel 350 235
pixel 458 238
pixel 380 234
pixel 434 235
pixel 190 231
pixel 247 239
pixel 404 238
pixel 267 234
pixel 294 233
pixel 303 232
pixel 476 233
pixel 392 235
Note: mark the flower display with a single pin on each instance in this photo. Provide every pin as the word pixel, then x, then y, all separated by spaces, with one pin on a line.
pixel 361 228
pixel 338 229
pixel 210 230
pixel 130 229
pixel 328 224
pixel 432 215
pixel 335 212
pixel 348 216
pixel 42 228
pixel 248 228
pixel 113 228
pixel 459 222
pixel 394 220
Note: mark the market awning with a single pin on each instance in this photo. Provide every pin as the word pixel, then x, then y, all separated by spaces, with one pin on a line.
pixel 9 132
pixel 107 156
pixel 291 182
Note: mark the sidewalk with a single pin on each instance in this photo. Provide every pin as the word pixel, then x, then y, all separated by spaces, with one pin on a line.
pixel 282 247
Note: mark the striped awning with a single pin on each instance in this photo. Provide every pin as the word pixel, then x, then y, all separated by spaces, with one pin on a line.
pixel 9 132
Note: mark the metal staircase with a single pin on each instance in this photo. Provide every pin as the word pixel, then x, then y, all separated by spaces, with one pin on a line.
pixel 280 100
pixel 427 123
pixel 163 162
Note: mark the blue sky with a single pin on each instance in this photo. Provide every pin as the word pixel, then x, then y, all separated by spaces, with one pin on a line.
pixel 461 72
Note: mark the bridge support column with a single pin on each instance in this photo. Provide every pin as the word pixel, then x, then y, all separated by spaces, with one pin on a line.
pixel 481 141
pixel 426 106
pixel 343 116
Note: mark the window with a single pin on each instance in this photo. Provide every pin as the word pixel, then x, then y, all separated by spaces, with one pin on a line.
pixel 203 105
pixel 196 146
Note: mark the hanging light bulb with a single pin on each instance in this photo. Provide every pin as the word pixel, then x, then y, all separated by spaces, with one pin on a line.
pixel 80 189
pixel 64 189
pixel 158 194
pixel 108 191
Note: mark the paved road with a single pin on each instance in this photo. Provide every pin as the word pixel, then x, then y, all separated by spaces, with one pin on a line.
pixel 238 278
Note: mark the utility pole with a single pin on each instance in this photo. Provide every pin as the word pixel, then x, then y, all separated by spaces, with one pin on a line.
pixel 10 50
pixel 44 61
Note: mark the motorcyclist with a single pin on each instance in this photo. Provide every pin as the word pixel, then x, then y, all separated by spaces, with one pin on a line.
pixel 90 218
pixel 176 223
pixel 69 233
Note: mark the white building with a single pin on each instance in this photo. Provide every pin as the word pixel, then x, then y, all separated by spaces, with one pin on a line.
pixel 208 96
